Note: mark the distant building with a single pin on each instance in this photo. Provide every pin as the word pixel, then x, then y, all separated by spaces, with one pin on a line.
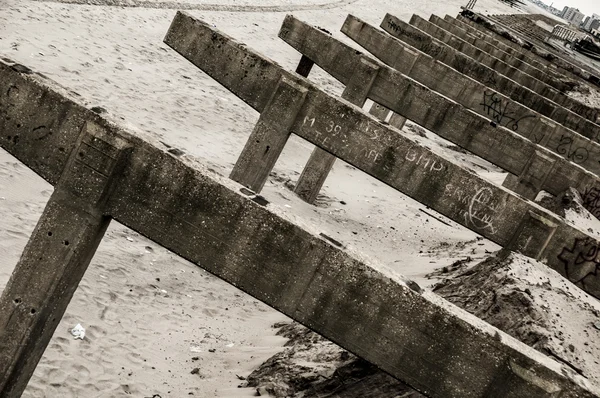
pixel 595 25
pixel 587 25
pixel 573 15
pixel 586 22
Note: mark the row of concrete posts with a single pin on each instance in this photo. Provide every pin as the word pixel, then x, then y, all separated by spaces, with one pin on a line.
pixel 101 172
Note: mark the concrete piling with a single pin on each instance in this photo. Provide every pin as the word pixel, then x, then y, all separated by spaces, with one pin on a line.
pixel 320 163
pixel 417 337
pixel 348 133
pixel 57 255
pixel 269 136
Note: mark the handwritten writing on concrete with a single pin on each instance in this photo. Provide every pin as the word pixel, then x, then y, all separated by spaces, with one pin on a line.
pixel 423 160
pixel 498 109
pixel 479 209
pixel 425 44
pixel 326 130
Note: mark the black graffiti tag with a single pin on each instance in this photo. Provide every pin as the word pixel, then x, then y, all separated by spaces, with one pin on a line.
pixel 582 260
pixel 591 201
pixel 498 110
pixel 567 149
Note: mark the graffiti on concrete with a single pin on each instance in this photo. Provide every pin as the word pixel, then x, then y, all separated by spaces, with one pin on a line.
pixel 582 260
pixel 422 159
pixel 478 210
pixel 498 109
pixel 569 150
pixel 591 201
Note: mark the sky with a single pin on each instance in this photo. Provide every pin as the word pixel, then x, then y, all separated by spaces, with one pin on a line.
pixel 588 7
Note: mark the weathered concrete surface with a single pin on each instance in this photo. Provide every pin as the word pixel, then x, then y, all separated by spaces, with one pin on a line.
pixel 442 116
pixel 478 97
pixel 517 46
pixel 498 60
pixel 550 87
pixel 523 28
pixel 353 136
pixel 477 21
pixel 415 336
pixel 515 50
pixel 56 257
pixel 320 163
pixel 515 59
pixel 535 176
pixel 268 137
pixel 464 64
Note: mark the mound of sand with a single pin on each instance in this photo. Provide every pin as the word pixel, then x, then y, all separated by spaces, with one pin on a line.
pixel 520 296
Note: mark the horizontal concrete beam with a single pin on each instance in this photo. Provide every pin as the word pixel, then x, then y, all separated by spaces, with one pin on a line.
pixel 413 335
pixel 476 96
pixel 352 135
pixel 528 77
pixel 403 95
pixel 468 66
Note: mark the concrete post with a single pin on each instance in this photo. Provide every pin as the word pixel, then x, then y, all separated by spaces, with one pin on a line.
pixel 533 177
pixel 533 235
pixel 412 334
pixel 320 163
pixel 464 82
pixel 56 257
pixel 304 66
pixel 397 121
pixel 379 150
pixel 379 111
pixel 269 136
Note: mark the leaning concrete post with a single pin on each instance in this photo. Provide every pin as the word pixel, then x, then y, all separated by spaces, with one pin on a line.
pixel 397 121
pixel 56 256
pixel 320 163
pixel 532 235
pixel 304 66
pixel 532 179
pixel 269 136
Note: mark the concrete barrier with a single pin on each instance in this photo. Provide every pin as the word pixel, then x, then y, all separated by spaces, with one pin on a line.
pixel 401 94
pixel 412 334
pixel 408 31
pixel 468 66
pixel 350 134
pixel 476 96
pixel 499 61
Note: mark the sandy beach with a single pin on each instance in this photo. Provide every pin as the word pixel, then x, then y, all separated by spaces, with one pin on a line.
pixel 156 325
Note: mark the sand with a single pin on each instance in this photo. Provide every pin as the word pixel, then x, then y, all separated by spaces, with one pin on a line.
pixel 147 313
